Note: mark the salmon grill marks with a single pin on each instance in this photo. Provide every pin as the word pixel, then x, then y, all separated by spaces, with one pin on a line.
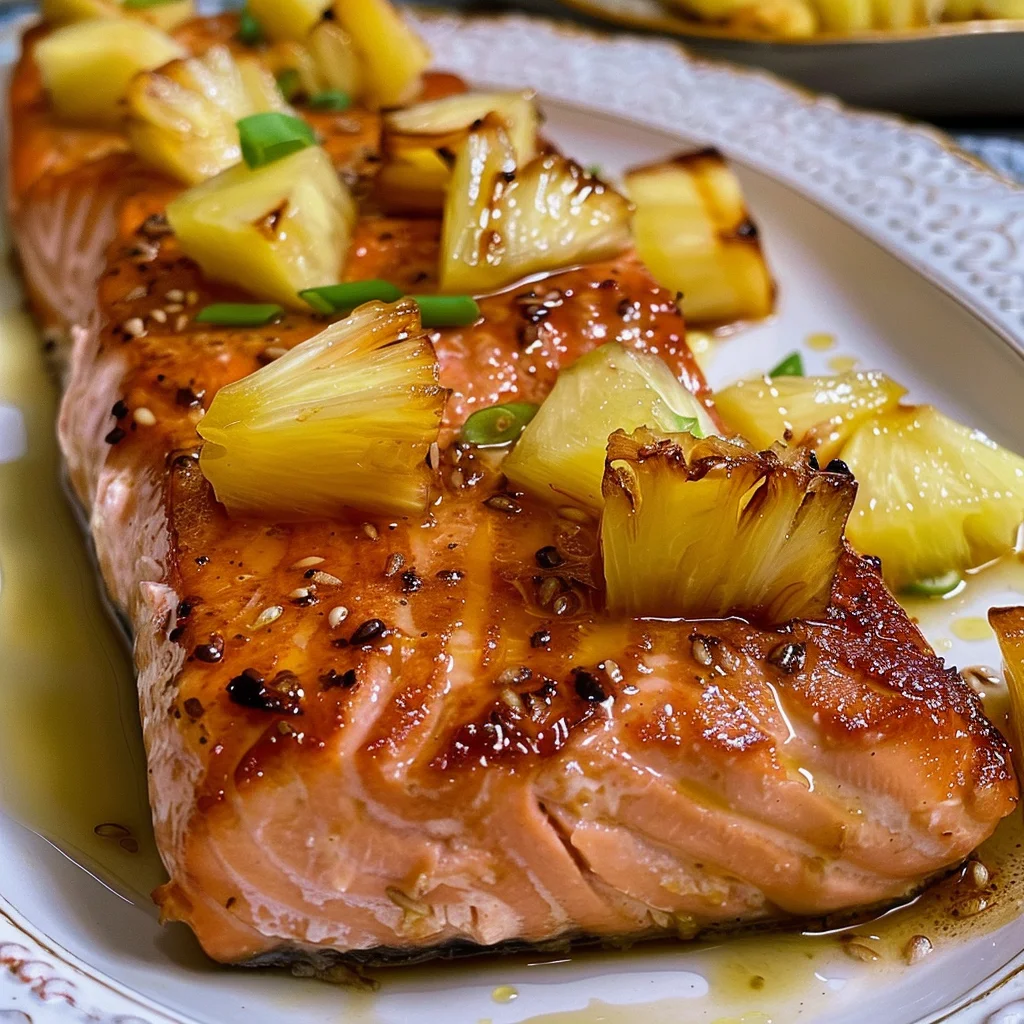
pixel 397 735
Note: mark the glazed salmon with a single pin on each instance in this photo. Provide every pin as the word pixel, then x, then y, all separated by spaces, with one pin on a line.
pixel 395 737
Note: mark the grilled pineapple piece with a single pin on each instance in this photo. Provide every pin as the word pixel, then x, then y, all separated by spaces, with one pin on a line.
pixel 845 16
pixel 935 496
pixel 182 116
pixel 502 223
pixel 393 56
pixel 817 412
pixel 165 16
pixel 415 176
pixel 287 19
pixel 87 66
pixel 1008 626
pixel 325 59
pixel 789 19
pixel 705 528
pixel 694 234
pixel 560 455
pixel 897 14
pixel 274 230
pixel 344 419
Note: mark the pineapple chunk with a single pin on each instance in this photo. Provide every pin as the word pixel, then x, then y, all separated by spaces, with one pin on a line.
pixel 789 19
pixel 273 231
pixel 165 16
pixel 287 19
pixel 694 234
pixel 326 59
pixel 560 455
pixel 393 56
pixel 345 419
pixel 1008 626
pixel 182 117
pixel 415 177
pixel 444 123
pixel 705 528
pixel 817 412
pixel 897 14
pixel 935 496
pixel 502 223
pixel 844 16
pixel 86 67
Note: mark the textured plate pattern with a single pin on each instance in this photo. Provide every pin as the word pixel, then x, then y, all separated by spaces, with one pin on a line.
pixel 907 188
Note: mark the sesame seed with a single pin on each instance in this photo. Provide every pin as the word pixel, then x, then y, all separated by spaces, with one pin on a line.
pixel 134 326
pixel 612 670
pixel 456 478
pixel 114 436
pixel 173 307
pixel 789 658
pixel 175 295
pixel 917 948
pixel 978 874
pixel 138 292
pixel 504 503
pixel 191 297
pixel 268 615
pixel 305 563
pixel 573 514
pixel 273 352
pixel 299 593
pixel 325 579
pixel 336 616
pixel 549 557
pixel 371 531
pixel 159 316
pixel 371 629
pixel 394 564
pixel 859 951
pixel 700 652
pixel 549 587
pixel 434 456
pixel 181 323
pixel 566 604
pixel 514 676
pixel 144 417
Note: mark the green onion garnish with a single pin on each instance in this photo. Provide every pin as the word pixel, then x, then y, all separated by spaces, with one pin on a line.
pixel 330 99
pixel 343 298
pixel 936 586
pixel 289 83
pixel 239 314
pixel 689 425
pixel 791 366
pixel 447 310
pixel 498 424
pixel 270 136
pixel 249 31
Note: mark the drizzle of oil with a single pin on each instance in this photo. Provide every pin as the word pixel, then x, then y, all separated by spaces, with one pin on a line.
pixel 842 364
pixel 971 627
pixel 820 342
pixel 72 767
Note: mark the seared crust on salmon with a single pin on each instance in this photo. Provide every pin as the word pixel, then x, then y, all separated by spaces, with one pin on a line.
pixel 380 735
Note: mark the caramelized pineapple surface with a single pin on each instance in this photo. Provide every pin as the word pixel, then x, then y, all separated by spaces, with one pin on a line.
pixel 503 222
pixel 182 117
pixel 287 19
pixel 693 232
pixel 817 412
pixel 705 528
pixel 165 16
pixel 343 420
pixel 274 230
pixel 87 66
pixel 561 453
pixel 934 495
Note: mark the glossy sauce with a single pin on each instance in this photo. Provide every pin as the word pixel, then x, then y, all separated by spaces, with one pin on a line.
pixel 72 769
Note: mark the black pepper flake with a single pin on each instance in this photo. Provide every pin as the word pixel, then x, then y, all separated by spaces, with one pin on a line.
pixel 184 609
pixel 202 560
pixel 282 694
pixel 176 634
pixel 371 629
pixel 231 901
pixel 194 708
pixel 211 653
pixel 625 307
pixel 117 434
pixel 812 460
pixel 873 561
pixel 410 582
pixel 155 226
pixel 548 557
pixel 120 409
pixel 789 657
pixel 331 680
pixel 504 503
pixel 838 466
pixel 188 397
pixel 541 638
pixel 587 686
pixel 748 229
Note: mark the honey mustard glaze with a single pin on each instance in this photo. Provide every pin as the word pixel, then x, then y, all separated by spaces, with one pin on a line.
pixel 72 769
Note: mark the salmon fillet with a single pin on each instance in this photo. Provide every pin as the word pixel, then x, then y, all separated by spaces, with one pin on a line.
pixel 455 764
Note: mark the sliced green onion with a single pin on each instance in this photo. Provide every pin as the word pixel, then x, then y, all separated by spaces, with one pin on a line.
pixel 689 425
pixel 343 298
pixel 239 314
pixel 249 31
pixel 447 310
pixel 498 424
pixel 791 366
pixel 594 170
pixel 935 586
pixel 289 83
pixel 270 136
pixel 330 99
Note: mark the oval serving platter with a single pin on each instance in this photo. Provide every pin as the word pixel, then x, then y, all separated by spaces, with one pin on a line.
pixel 890 248
pixel 969 68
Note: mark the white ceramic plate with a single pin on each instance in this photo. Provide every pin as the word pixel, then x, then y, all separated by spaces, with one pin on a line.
pixel 880 235
pixel 951 69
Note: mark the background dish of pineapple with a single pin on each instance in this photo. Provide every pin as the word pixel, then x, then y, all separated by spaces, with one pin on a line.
pixel 842 298
pixel 943 69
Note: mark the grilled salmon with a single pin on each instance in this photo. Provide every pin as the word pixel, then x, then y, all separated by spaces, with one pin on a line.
pixel 381 737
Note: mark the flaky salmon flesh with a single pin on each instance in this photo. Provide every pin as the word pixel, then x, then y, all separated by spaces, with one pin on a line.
pixel 370 736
